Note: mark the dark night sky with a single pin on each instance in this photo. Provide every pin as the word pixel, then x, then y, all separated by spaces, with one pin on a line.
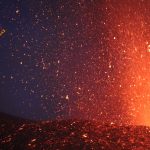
pixel 73 59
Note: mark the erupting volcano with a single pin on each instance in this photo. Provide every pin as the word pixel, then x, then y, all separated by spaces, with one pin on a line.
pixel 84 66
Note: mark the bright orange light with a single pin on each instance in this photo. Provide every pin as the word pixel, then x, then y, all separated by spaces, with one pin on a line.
pixel 137 74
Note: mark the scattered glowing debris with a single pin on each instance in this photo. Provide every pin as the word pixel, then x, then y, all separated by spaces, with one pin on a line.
pixel 17 11
pixel 29 144
pixel 2 31
pixel 33 140
pixel 112 123
pixel 148 48
pixel 67 133
pixel 85 135
pixel 67 97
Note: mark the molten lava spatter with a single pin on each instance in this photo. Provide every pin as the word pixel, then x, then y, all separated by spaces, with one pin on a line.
pixel 76 59
pixel 134 35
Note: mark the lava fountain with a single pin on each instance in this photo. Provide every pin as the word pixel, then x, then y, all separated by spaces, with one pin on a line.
pixel 134 37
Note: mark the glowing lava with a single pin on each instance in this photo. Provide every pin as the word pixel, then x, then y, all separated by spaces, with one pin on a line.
pixel 134 36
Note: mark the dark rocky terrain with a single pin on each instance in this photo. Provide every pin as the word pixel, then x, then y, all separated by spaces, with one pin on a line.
pixel 17 134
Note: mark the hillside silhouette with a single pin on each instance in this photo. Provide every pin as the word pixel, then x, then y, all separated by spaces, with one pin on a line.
pixel 21 134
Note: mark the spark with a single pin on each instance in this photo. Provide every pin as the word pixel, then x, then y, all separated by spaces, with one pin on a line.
pixel 2 31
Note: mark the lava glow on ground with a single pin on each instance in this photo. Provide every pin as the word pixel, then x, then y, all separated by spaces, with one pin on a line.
pixel 76 59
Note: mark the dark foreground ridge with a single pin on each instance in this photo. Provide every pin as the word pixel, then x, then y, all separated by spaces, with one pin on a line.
pixel 71 135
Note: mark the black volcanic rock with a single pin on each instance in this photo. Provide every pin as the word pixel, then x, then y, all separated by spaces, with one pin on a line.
pixel 72 135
